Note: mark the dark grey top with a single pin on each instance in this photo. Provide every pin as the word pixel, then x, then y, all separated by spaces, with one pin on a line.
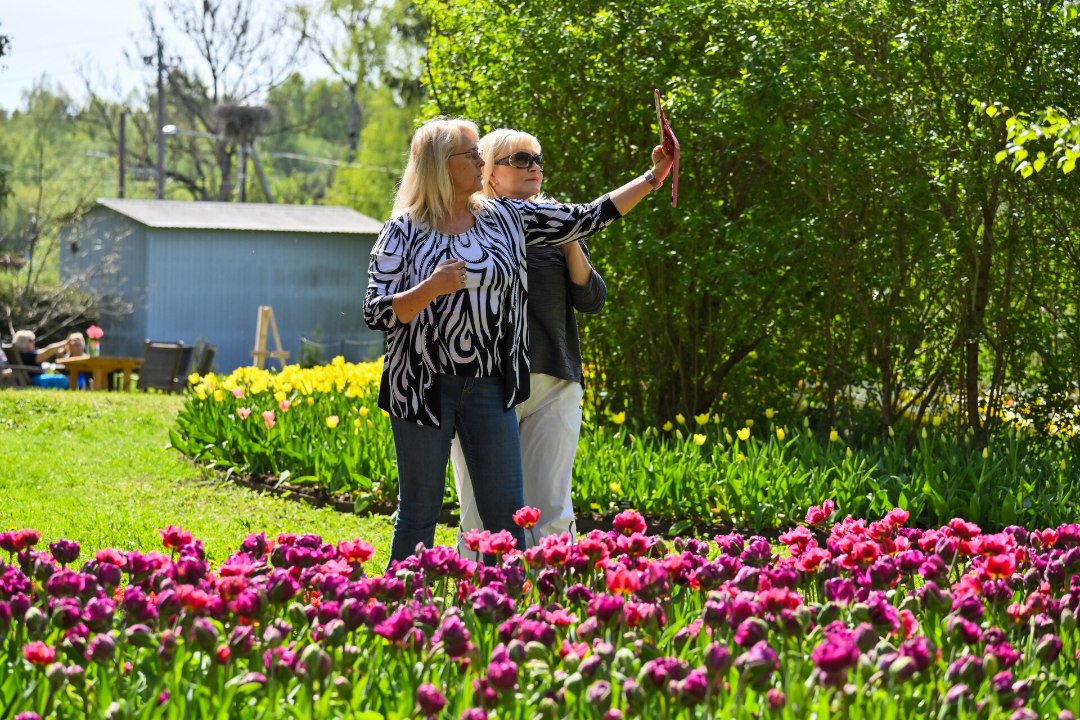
pixel 554 348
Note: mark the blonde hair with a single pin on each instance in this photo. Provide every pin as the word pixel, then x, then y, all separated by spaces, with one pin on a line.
pixel 498 144
pixel 21 338
pixel 426 191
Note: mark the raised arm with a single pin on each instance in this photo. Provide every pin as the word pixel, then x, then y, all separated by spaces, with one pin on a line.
pixel 630 194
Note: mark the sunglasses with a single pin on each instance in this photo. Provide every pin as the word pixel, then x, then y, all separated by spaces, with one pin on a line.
pixel 523 160
pixel 472 155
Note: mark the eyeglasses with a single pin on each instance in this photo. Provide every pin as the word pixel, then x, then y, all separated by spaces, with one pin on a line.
pixel 523 160
pixel 473 155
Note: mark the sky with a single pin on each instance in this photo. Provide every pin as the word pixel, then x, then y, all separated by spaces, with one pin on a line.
pixel 54 38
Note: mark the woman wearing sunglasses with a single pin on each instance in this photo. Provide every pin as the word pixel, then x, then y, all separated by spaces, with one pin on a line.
pixel 447 282
pixel 561 281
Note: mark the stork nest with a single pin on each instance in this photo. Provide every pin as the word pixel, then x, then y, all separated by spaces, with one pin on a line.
pixel 242 122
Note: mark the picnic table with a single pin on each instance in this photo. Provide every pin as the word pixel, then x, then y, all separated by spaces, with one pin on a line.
pixel 100 367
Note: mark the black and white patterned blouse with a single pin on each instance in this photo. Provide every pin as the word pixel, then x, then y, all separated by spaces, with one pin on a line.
pixel 476 332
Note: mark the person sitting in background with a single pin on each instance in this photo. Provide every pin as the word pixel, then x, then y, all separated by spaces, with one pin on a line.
pixel 5 371
pixel 25 343
pixel 76 348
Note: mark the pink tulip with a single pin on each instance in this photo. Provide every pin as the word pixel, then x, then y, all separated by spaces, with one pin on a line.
pixel 268 419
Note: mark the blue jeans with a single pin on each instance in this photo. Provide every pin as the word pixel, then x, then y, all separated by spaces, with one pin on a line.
pixel 489 438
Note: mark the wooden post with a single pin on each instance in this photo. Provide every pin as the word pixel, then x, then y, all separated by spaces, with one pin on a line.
pixel 265 323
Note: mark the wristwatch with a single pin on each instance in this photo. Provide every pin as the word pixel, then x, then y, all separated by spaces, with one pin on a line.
pixel 650 177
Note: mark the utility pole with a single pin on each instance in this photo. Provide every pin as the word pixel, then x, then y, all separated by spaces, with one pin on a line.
pixel 123 151
pixel 160 118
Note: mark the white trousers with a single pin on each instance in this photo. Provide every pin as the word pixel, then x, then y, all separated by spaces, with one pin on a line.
pixel 549 423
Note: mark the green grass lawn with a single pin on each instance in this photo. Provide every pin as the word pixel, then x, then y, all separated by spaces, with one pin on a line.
pixel 97 468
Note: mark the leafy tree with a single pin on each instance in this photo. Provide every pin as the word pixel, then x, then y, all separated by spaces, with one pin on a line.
pixel 843 237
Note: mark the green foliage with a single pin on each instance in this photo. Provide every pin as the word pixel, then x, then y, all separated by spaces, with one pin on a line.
pixel 369 186
pixel 842 223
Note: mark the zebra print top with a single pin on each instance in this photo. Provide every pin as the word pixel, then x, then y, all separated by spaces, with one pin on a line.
pixel 480 331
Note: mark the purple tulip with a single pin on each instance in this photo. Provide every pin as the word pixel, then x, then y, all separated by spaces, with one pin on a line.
pixel 750 632
pixel 474 714
pixel 920 650
pixel 65 551
pixel 429 699
pixel 101 649
pixel 966 631
pixel 491 605
pixel 694 688
pixel 502 674
pixel 757 664
pixel 65 584
pixel 839 590
pixel 717 660
pixel 453 635
pixel 98 614
pixel 1048 648
pixel 834 655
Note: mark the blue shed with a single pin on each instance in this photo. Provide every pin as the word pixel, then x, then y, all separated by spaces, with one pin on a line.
pixel 199 271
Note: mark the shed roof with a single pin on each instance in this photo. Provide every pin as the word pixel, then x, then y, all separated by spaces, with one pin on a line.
pixel 264 217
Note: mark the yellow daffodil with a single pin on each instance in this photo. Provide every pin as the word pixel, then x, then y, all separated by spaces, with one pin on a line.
pixel 699 439
pixel 743 433
pixel 363 411
pixel 769 412
pixel 780 434
pixel 701 419
pixel 615 488
pixel 680 419
pixel 332 422
pixel 619 418
pixel 937 421
pixel 667 426
pixel 833 436
pixel 218 395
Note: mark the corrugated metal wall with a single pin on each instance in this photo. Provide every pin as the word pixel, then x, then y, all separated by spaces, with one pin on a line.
pixel 208 285
pixel 107 252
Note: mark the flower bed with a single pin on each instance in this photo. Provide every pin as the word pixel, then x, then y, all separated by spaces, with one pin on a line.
pixel 871 619
pixel 320 429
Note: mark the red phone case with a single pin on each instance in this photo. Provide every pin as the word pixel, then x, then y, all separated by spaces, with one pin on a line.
pixel 671 146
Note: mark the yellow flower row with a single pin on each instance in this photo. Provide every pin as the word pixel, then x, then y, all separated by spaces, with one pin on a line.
pixel 339 377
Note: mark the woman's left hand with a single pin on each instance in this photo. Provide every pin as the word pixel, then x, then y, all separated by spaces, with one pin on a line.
pixel 662 162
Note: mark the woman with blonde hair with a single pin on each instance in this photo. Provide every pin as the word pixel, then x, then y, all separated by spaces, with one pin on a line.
pixel 447 282
pixel 561 281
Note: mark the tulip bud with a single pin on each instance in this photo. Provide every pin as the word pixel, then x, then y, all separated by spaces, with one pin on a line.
pixel 571 663
pixel 206 635
pixel 297 615
pixel 1048 648
pixel 536 650
pixel 350 654
pixel 316 662
pixel 56 674
pixel 101 649
pixel 1068 620
pixel 35 621
pixel 828 614
pixel 139 636
pixel 335 633
pixel 573 683
pixel 118 710
pixel 549 709
pixel 343 686
pixel 625 661
pixel 902 668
